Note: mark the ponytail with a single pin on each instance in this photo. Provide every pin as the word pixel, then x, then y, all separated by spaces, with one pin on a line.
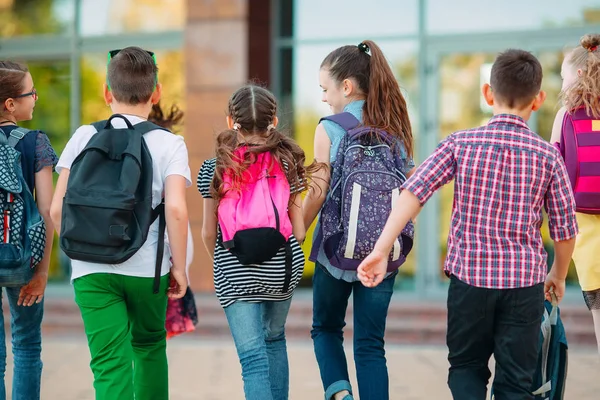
pixel 385 107
pixel 169 121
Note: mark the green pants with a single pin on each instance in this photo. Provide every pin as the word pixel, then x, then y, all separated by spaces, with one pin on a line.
pixel 125 326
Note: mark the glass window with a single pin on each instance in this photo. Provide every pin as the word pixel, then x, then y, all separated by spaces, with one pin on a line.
pixel 308 108
pixel 31 17
pixel 490 15
pixel 52 80
pixel 102 17
pixel 315 19
pixel 93 75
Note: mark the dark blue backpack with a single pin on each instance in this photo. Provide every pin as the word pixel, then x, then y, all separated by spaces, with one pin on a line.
pixel 550 376
pixel 22 230
pixel 365 183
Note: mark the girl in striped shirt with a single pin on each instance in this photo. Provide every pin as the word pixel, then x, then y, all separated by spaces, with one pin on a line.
pixel 256 296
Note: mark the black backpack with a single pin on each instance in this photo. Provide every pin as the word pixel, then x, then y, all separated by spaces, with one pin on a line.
pixel 107 208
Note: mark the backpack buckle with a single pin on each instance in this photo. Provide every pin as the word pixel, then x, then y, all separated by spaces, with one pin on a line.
pixel 17 134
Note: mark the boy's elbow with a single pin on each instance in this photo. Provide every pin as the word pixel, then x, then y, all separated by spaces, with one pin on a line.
pixel 176 212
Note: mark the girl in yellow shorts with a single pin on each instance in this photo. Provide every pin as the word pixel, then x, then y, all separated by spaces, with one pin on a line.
pixel 577 132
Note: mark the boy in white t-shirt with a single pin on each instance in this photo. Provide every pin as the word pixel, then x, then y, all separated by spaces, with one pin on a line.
pixel 124 319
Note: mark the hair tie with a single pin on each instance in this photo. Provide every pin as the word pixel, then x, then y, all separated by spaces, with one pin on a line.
pixel 593 48
pixel 237 126
pixel 364 48
pixel 270 127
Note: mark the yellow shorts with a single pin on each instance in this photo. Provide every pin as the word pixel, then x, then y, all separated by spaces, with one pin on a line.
pixel 587 251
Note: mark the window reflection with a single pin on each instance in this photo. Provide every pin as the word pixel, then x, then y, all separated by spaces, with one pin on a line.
pixel 31 17
pixel 102 17
pixel 490 15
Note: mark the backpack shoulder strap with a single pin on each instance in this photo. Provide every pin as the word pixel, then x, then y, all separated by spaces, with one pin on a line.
pixel 100 125
pixel 346 120
pixel 147 126
pixel 16 135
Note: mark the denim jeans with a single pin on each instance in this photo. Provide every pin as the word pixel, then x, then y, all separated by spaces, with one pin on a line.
pixel 330 300
pixel 26 326
pixel 502 322
pixel 258 331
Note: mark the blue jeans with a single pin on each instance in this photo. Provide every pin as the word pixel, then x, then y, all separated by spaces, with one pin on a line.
pixel 258 330
pixel 330 300
pixel 26 326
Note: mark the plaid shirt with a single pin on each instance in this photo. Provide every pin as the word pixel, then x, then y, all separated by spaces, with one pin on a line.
pixel 504 175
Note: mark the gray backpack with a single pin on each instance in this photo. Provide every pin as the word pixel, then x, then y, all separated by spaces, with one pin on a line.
pixel 107 210
pixel 22 230
pixel 365 182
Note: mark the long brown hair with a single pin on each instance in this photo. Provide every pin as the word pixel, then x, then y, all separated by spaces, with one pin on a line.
pixel 253 110
pixel 585 92
pixel 385 107
pixel 12 75
pixel 168 120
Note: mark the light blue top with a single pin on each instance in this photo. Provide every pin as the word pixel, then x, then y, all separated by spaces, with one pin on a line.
pixel 336 134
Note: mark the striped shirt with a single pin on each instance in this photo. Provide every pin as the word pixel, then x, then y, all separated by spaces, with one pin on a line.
pixel 504 176
pixel 253 283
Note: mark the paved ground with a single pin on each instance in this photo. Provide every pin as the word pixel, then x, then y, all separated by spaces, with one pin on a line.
pixel 209 370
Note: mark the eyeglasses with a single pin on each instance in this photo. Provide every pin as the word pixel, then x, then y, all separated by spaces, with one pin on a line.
pixel 33 94
pixel 113 53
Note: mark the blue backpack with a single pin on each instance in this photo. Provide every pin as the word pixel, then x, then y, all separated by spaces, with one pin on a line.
pixel 366 177
pixel 550 377
pixel 22 230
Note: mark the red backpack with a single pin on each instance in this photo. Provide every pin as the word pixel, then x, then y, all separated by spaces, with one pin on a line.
pixel 580 148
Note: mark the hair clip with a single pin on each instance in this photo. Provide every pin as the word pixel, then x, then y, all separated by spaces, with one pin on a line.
pixel 364 48
pixel 237 126
pixel 270 127
pixel 593 48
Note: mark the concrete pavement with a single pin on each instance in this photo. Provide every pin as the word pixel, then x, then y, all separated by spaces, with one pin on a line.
pixel 208 369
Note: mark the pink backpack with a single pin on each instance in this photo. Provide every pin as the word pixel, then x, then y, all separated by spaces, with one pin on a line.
pixel 580 148
pixel 254 216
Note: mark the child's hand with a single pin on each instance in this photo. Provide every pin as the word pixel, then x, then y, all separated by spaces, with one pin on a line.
pixel 373 269
pixel 554 284
pixel 178 283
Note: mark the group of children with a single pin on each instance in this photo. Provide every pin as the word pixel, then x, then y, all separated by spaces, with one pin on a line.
pixel 255 219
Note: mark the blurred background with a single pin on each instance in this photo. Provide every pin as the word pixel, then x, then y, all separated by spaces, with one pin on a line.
pixel 440 50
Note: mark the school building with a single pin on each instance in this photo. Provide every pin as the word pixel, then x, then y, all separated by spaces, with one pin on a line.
pixel 440 50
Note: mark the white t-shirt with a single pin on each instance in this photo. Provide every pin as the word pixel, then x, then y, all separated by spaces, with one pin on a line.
pixel 169 157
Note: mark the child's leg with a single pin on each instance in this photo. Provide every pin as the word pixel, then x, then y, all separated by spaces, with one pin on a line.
pixel 147 313
pixel 246 324
pixel 517 337
pixel 596 317
pixel 370 313
pixel 102 305
pixel 330 300
pixel 274 316
pixel 470 339
pixel 26 327
pixel 592 300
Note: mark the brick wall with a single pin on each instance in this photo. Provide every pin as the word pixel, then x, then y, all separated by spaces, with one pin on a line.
pixel 227 42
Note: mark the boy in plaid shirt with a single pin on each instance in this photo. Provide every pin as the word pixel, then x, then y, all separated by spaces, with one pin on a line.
pixel 504 175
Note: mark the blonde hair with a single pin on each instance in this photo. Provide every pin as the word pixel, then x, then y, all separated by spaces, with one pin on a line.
pixel 585 92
